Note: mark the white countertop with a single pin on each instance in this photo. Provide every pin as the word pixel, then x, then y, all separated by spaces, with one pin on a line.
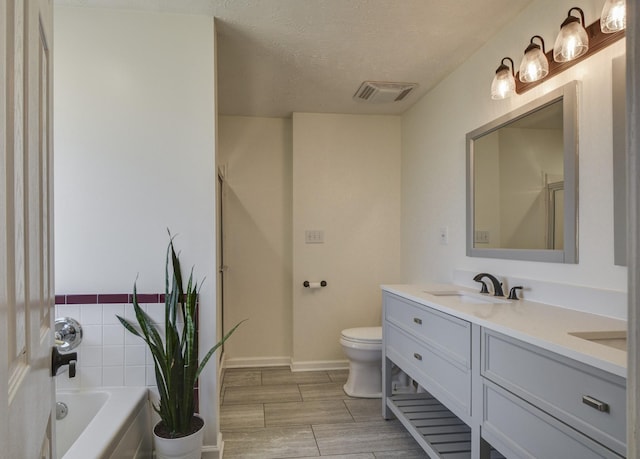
pixel 536 323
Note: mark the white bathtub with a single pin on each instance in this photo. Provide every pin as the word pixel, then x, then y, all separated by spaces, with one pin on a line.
pixel 104 423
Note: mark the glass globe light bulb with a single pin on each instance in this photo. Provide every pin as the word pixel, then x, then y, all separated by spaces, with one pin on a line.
pixel 614 16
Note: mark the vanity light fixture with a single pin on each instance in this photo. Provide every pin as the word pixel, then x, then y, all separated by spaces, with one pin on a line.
pixel 572 41
pixel 614 16
pixel 504 82
pixel 538 64
pixel 534 65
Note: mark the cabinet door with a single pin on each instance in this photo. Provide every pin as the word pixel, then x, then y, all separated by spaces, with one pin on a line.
pixel 449 382
pixel 566 389
pixel 518 429
pixel 444 333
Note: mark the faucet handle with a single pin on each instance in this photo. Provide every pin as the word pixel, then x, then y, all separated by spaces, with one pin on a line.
pixel 512 293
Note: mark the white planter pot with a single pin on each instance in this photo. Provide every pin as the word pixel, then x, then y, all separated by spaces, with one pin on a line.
pixel 189 447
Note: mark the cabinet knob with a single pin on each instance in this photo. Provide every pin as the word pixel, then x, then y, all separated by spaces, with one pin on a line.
pixel 418 321
pixel 595 403
pixel 417 356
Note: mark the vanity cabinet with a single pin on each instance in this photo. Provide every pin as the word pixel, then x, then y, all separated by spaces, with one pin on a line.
pixel 434 349
pixel 486 389
pixel 539 401
pixel 520 430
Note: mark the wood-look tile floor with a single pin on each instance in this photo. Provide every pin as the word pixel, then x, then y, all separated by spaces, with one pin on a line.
pixel 273 413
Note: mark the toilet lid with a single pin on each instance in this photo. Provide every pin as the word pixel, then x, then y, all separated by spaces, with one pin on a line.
pixel 365 334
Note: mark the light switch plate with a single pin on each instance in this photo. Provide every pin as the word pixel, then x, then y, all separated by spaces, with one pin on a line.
pixel 314 237
pixel 482 237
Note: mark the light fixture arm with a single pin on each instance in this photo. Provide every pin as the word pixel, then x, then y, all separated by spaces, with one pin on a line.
pixel 570 18
pixel 533 45
pixel 504 66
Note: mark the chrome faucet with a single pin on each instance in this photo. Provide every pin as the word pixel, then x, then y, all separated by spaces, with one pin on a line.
pixel 68 334
pixel 497 285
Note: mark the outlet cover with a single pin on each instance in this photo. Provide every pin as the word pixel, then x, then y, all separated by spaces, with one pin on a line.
pixel 444 235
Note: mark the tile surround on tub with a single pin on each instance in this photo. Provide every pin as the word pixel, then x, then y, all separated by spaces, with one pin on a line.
pixel 108 355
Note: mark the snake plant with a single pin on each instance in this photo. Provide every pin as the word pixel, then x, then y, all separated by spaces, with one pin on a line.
pixel 175 355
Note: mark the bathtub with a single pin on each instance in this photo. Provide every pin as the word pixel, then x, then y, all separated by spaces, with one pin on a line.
pixel 104 423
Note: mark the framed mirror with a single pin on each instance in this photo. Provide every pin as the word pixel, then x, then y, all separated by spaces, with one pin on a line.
pixel 522 182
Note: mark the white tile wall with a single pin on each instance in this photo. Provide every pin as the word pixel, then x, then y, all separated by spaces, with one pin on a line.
pixel 108 354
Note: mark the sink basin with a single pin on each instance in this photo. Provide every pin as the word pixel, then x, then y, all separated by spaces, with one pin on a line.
pixel 465 297
pixel 616 339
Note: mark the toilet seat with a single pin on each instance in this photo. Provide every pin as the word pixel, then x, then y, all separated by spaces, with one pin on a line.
pixel 363 334
pixel 363 337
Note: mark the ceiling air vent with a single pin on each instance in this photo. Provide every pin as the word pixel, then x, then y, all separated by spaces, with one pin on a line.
pixel 380 92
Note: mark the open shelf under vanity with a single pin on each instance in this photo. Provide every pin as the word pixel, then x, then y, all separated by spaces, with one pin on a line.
pixel 438 431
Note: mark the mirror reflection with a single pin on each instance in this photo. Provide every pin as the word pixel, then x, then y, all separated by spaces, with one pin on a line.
pixel 519 183
pixel 522 172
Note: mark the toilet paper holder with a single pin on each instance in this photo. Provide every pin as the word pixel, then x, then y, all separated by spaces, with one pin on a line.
pixel 308 284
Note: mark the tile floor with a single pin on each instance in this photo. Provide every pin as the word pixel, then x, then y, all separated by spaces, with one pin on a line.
pixel 272 413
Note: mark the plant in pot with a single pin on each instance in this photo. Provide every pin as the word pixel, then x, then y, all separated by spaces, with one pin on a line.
pixel 175 356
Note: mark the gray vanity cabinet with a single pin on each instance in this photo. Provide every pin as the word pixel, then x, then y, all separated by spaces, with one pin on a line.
pixel 434 349
pixel 485 389
pixel 539 401
pixel 520 430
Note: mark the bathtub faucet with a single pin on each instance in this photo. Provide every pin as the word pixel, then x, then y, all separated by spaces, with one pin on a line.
pixel 58 360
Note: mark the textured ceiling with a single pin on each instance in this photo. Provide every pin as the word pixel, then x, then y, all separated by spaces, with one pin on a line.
pixel 276 57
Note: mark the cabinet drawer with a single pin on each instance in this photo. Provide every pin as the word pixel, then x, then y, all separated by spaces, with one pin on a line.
pixel 448 381
pixel 566 389
pixel 518 429
pixel 447 334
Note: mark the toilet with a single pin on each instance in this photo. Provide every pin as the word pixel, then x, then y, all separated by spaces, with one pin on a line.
pixel 363 348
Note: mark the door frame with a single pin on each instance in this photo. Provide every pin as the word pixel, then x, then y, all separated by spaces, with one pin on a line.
pixel 633 226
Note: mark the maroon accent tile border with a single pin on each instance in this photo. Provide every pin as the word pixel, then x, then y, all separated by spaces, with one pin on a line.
pixel 82 299
pixel 109 298
pixel 146 298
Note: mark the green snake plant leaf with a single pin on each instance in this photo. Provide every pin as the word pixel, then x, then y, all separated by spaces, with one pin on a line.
pixel 215 348
pixel 175 357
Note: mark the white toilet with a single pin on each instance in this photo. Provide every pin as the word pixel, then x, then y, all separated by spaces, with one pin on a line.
pixel 363 348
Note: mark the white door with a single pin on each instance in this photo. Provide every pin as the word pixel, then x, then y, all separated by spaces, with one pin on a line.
pixel 26 233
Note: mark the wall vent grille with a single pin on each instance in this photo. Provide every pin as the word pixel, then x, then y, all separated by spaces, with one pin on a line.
pixel 380 92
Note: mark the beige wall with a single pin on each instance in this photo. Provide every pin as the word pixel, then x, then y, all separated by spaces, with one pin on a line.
pixel 256 156
pixel 336 173
pixel 523 216
pixel 487 188
pixel 346 182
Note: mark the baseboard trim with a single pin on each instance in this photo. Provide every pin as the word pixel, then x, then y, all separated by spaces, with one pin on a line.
pixel 317 365
pixel 311 365
pixel 246 362
pixel 213 452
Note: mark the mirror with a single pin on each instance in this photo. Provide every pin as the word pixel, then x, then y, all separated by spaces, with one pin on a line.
pixel 522 182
